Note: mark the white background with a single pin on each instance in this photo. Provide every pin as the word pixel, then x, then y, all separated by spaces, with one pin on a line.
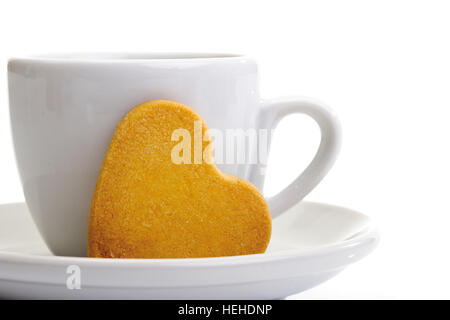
pixel 384 66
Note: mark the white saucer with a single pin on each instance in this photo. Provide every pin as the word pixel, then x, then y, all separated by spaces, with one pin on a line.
pixel 311 243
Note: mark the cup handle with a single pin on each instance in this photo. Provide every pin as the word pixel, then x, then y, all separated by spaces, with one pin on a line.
pixel 271 112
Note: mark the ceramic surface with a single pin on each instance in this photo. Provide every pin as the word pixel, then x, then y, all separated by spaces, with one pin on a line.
pixel 64 109
pixel 311 243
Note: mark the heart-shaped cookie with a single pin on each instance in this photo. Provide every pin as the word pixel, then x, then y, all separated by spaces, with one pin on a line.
pixel 156 199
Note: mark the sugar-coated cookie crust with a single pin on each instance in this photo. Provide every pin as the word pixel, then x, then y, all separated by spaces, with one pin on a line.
pixel 146 206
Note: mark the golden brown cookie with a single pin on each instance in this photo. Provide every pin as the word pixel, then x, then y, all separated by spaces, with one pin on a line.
pixel 150 202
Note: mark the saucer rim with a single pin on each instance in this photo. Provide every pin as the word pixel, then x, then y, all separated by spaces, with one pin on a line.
pixel 369 235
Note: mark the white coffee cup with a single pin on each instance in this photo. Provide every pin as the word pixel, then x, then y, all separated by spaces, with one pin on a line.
pixel 64 109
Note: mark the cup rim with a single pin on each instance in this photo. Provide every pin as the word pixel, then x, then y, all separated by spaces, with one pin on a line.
pixel 127 57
